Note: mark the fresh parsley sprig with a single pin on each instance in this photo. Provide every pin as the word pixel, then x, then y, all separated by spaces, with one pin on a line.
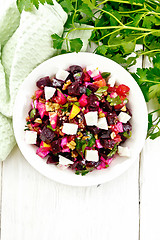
pixel 117 27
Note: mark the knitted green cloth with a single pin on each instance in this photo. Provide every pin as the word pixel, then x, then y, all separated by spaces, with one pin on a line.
pixel 25 42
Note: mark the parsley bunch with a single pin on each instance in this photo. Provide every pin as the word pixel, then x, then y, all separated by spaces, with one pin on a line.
pixel 117 26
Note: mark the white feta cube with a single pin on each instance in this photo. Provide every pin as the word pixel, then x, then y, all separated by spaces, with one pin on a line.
pixel 123 151
pixel 91 155
pixel 30 137
pixel 91 118
pixel 70 128
pixel 64 161
pixel 62 74
pixel 112 81
pixel 124 117
pixel 102 123
pixel 93 69
pixel 49 92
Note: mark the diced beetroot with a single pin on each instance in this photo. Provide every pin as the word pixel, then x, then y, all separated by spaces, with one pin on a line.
pixel 75 69
pixel 86 77
pixel 52 159
pixel 97 77
pixel 53 116
pixel 34 125
pixel 119 127
pixel 47 135
pixel 111 89
pixel 117 139
pixel 45 146
pixel 64 142
pixel 71 138
pixel 108 161
pixel 107 143
pixel 83 100
pixel 98 144
pixel 38 93
pixel 66 149
pixel 34 104
pixel 101 166
pixel 102 159
pixel 56 146
pixel 41 109
pixel 93 87
pixel 87 84
pixel 42 152
pixel 42 82
pixel 62 97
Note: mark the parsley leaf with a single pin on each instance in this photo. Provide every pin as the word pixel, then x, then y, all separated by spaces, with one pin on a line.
pixel 76 44
pixel 86 9
pixel 57 41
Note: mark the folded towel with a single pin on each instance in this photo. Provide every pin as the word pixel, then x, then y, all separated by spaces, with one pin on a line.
pixel 26 44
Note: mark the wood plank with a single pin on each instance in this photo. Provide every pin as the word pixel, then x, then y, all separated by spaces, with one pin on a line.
pixel 149 184
pixel 1 166
pixel 33 207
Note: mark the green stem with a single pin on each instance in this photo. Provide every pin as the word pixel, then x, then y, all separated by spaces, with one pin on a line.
pixel 150 81
pixel 75 10
pixel 154 111
pixel 145 53
pixel 111 15
pixel 134 11
pixel 118 1
pixel 108 35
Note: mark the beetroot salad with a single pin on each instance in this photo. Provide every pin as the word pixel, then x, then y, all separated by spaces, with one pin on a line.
pixel 79 119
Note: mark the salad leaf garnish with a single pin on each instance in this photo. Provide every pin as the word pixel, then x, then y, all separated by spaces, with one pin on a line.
pixel 127 134
pixel 114 101
pixel 100 91
pixel 50 127
pixel 113 151
pixel 33 113
pixel 105 74
pixel 88 92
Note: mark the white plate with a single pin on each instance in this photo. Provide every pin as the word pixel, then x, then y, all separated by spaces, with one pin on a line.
pixel 137 105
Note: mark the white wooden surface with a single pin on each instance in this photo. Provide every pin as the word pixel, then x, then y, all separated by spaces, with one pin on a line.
pixel 36 208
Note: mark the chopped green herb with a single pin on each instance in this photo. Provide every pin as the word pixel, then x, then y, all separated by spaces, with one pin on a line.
pixel 50 127
pixel 77 103
pixel 105 74
pixel 100 91
pixel 33 113
pixel 114 101
pixel 113 151
pixel 127 135
pixel 84 172
pixel 88 92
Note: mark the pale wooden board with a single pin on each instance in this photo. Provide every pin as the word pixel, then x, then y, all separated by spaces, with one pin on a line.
pixel 149 184
pixel 1 166
pixel 34 207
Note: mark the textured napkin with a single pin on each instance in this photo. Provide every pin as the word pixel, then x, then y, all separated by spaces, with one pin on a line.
pixel 25 42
